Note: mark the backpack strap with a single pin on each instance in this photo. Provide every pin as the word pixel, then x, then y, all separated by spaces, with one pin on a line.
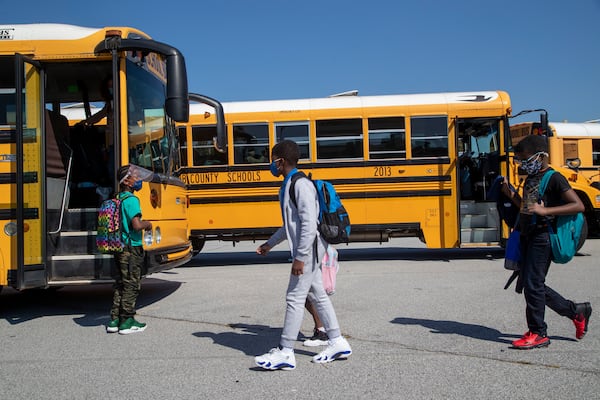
pixel 541 191
pixel 544 183
pixel 122 199
pixel 294 178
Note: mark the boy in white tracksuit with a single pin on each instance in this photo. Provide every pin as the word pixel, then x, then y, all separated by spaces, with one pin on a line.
pixel 307 248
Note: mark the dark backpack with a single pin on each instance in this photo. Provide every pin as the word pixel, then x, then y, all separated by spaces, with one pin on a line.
pixel 565 240
pixel 334 222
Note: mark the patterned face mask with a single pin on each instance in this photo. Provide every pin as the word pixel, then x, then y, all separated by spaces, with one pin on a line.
pixel 533 164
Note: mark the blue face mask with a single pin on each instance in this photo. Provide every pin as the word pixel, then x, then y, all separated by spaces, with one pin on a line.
pixel 274 169
pixel 137 186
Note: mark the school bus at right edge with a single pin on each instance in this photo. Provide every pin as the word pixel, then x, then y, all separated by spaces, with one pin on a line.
pixel 574 150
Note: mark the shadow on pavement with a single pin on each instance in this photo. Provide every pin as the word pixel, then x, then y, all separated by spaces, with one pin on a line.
pixel 93 301
pixel 468 330
pixel 252 340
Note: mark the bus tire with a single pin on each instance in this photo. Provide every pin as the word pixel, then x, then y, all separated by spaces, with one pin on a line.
pixel 197 245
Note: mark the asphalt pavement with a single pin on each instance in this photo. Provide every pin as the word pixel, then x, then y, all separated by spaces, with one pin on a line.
pixel 423 324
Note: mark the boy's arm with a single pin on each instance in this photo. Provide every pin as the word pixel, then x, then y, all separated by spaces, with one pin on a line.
pixel 139 224
pixel 572 205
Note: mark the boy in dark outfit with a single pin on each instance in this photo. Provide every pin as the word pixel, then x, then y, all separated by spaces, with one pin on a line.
pixel 536 252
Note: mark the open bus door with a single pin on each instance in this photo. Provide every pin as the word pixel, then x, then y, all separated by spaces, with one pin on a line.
pixel 29 205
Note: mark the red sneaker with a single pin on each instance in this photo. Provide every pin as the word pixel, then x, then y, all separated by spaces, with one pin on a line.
pixel 531 340
pixel 582 319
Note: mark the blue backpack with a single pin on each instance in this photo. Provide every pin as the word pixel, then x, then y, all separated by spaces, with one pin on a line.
pixel 565 240
pixel 334 222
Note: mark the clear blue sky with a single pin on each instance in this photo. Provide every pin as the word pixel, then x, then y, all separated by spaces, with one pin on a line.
pixel 545 54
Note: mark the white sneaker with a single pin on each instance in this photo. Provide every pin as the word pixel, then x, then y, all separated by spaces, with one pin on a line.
pixel 336 350
pixel 276 359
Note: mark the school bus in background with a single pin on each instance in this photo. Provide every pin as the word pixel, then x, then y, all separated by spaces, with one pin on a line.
pixel 574 150
pixel 404 165
pixel 54 174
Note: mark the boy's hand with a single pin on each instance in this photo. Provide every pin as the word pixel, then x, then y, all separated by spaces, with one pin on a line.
pixel 539 209
pixel 297 267
pixel 148 226
pixel 263 249
pixel 505 189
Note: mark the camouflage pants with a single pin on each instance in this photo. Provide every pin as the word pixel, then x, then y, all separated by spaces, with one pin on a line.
pixel 127 282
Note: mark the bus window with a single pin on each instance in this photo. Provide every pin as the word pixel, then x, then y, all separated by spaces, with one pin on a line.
pixel 181 131
pixel 250 143
pixel 153 141
pixel 387 138
pixel 429 136
pixel 339 138
pixel 296 131
pixel 595 151
pixel 204 152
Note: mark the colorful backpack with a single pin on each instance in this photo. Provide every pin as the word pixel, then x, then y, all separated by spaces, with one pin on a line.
pixel 108 236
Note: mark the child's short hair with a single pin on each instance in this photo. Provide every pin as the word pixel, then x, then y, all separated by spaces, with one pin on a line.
pixel 121 174
pixel 288 150
pixel 532 144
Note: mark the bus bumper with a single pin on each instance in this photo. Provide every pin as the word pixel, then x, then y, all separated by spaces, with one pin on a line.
pixel 168 257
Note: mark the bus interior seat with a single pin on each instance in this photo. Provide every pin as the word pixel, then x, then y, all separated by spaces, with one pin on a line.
pixel 57 150
pixel 57 157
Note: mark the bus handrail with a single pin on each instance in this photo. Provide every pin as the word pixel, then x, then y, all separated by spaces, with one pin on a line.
pixel 64 197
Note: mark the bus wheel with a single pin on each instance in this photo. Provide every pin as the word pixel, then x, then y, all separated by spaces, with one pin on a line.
pixel 197 245
pixel 584 234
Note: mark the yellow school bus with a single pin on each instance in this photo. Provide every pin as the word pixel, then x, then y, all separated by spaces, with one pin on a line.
pixel 417 165
pixel 55 173
pixel 574 150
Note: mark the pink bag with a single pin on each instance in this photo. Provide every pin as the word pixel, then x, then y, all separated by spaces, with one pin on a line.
pixel 329 268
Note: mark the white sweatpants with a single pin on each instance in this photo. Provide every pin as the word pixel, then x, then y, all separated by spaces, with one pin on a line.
pixel 309 284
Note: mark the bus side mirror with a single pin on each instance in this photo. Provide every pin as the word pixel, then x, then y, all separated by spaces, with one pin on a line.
pixel 544 123
pixel 574 163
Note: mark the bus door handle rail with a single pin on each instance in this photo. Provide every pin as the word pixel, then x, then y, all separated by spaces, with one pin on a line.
pixel 64 197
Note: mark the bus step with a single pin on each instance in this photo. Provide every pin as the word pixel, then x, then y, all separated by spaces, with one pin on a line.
pixel 80 267
pixel 79 219
pixel 71 243
pixel 473 221
pixel 479 235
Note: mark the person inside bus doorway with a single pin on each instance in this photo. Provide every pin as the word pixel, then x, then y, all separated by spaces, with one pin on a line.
pixel 307 248
pixel 108 150
pixel 536 252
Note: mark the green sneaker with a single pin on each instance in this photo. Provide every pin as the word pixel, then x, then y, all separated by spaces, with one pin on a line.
pixel 131 326
pixel 113 326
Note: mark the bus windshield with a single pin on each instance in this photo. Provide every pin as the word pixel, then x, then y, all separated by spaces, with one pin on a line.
pixel 152 137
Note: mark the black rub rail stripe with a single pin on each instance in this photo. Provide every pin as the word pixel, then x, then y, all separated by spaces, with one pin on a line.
pixel 325 164
pixel 269 230
pixel 361 195
pixel 11 213
pixel 351 181
pixel 11 177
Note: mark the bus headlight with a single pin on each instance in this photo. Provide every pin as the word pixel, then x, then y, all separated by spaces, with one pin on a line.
pixel 157 235
pixel 148 237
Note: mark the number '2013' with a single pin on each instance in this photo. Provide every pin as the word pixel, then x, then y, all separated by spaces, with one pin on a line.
pixel 383 171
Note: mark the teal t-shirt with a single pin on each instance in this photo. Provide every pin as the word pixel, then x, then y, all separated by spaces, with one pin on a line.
pixel 130 208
